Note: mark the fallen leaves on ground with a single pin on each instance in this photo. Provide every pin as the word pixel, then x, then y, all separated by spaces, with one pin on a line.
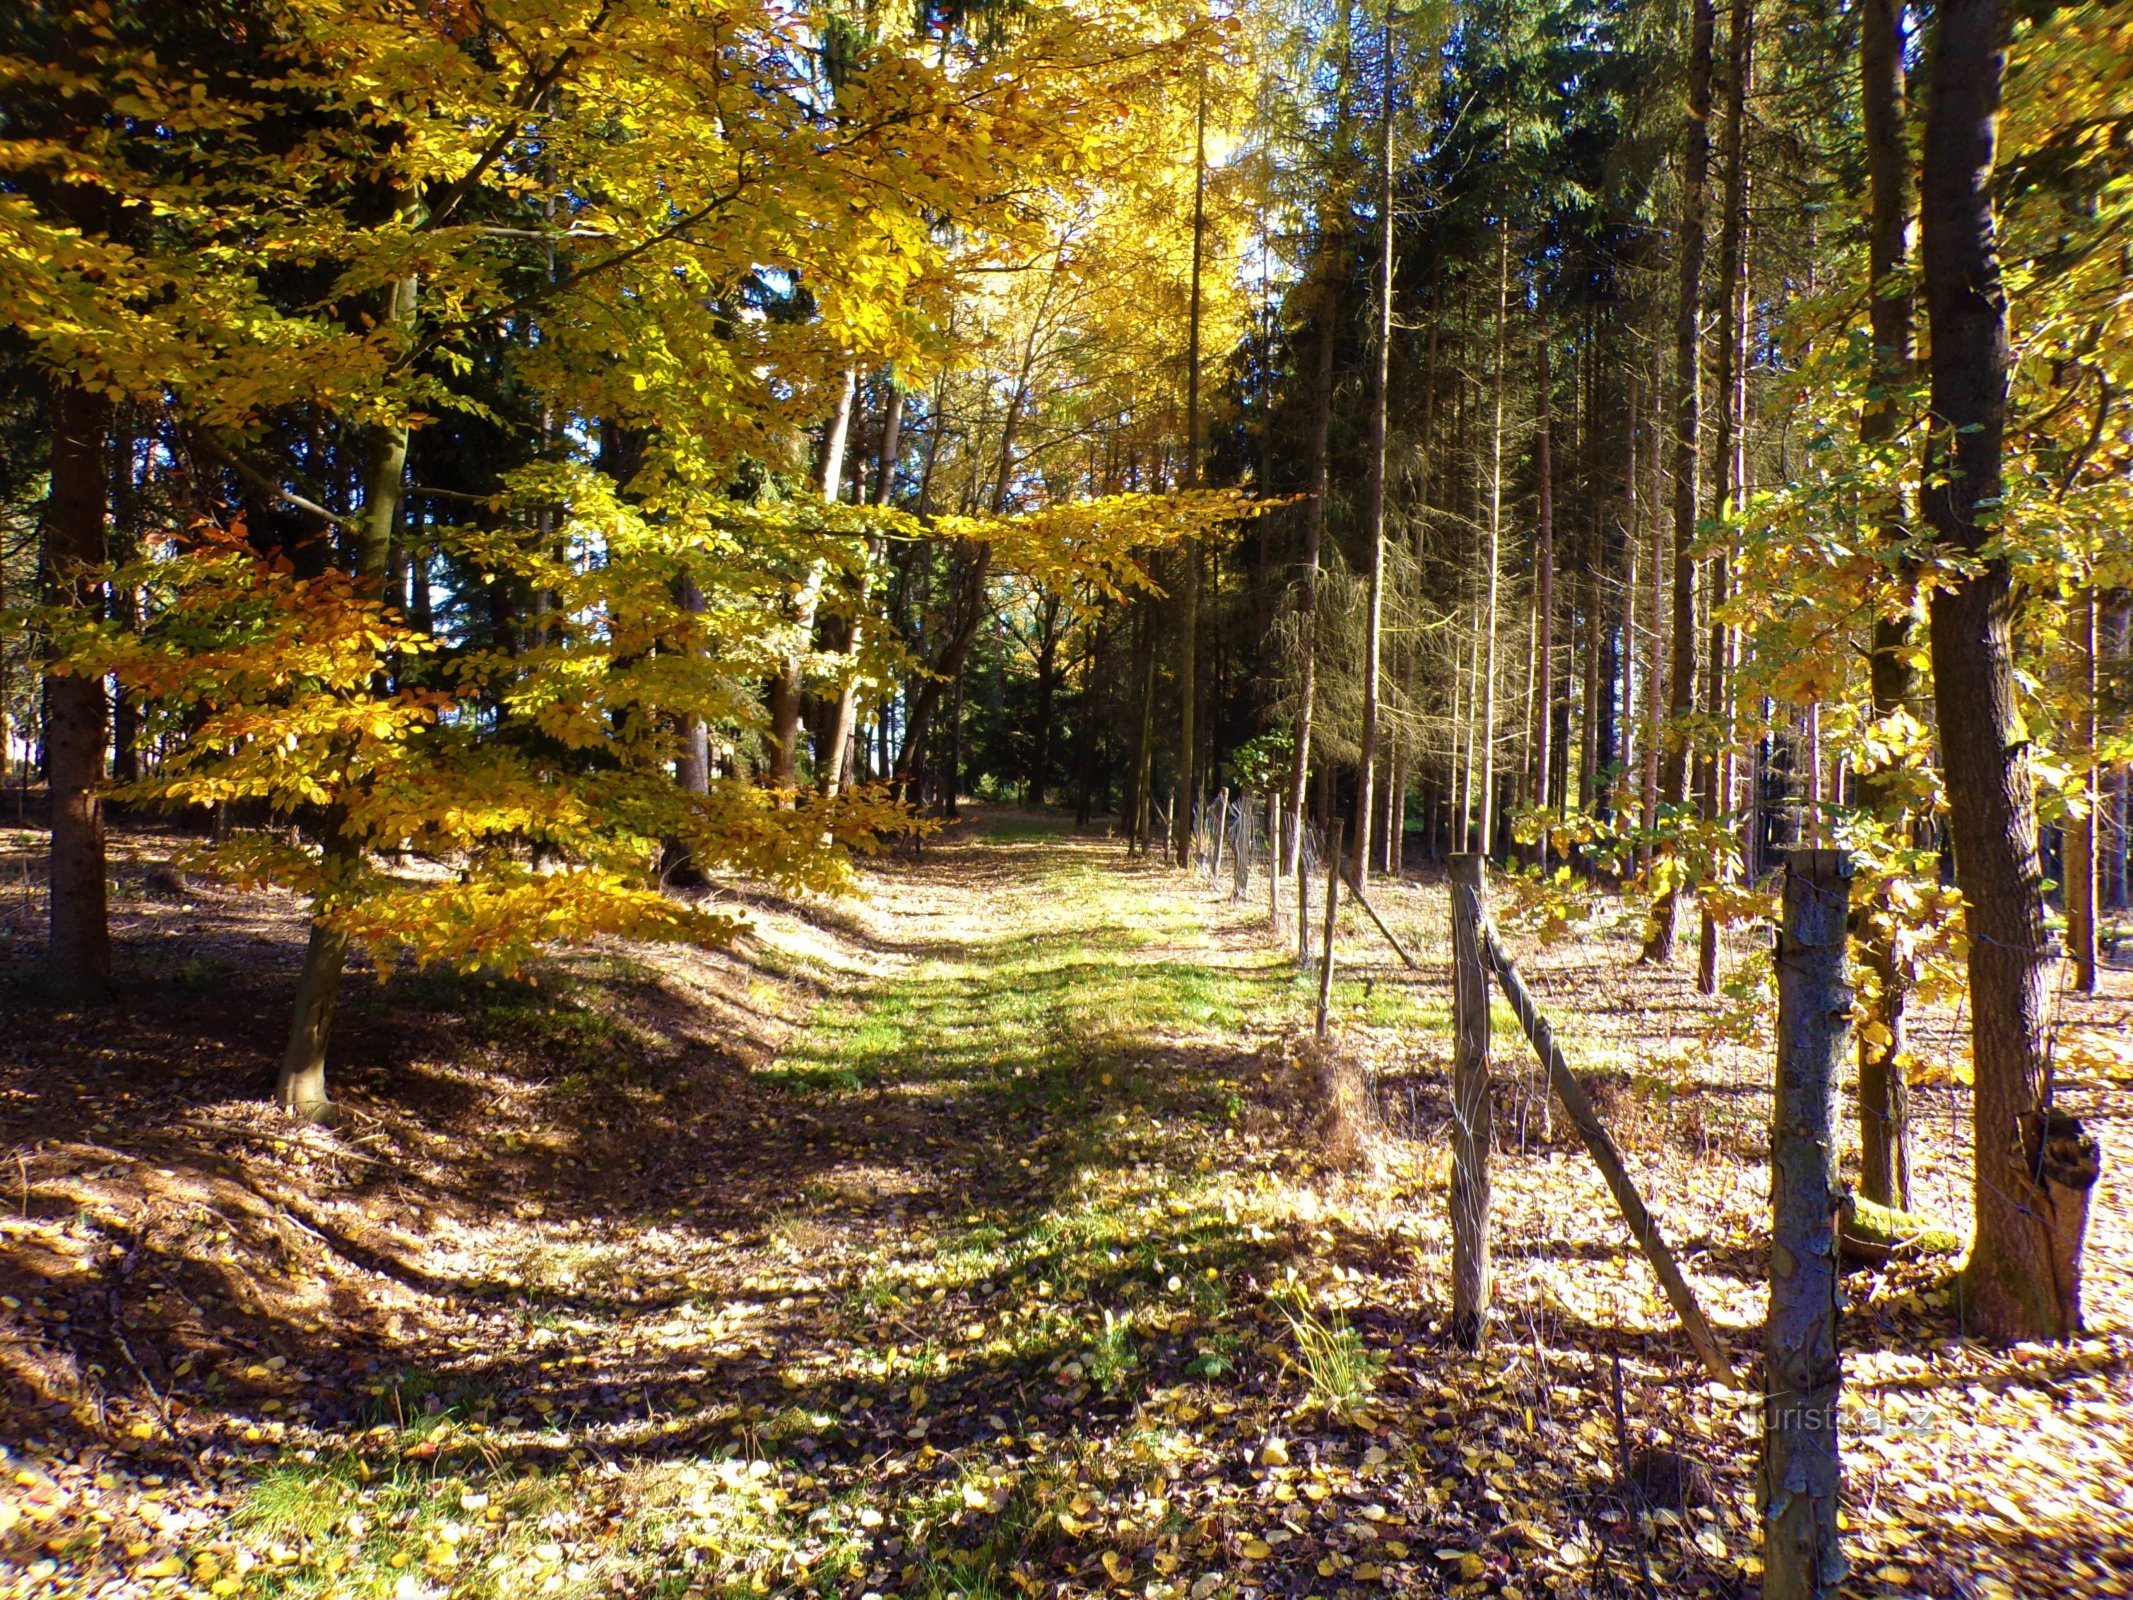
pixel 982 1239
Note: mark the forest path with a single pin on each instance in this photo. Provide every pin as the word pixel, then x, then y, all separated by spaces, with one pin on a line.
pixel 999 1233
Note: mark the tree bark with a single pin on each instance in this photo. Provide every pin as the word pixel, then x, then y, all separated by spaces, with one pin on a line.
pixel 1143 775
pixel 1884 1102
pixel 1544 606
pixel 1331 281
pixel 1495 560
pixel 947 668
pixel 1473 1134
pixel 78 948
pixel 2033 1168
pixel 1040 768
pixel 1732 394
pixel 300 1086
pixel 838 776
pixel 1655 659
pixel 1189 552
pixel 787 688
pixel 1802 1474
pixel 1688 438
pixel 693 767
pixel 2080 869
pixel 1374 508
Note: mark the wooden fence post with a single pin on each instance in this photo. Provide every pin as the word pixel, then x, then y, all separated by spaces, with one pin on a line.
pixel 1801 1469
pixel 1303 899
pixel 1221 830
pixel 1333 905
pixel 1472 1129
pixel 1273 862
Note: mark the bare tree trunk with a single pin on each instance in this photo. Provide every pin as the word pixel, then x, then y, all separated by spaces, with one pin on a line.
pixel 2081 830
pixel 1802 1473
pixel 787 687
pixel 1189 552
pixel 1374 511
pixel 300 1085
pixel 947 669
pixel 1333 907
pixel 78 947
pixel 1731 390
pixel 692 770
pixel 1047 689
pixel 1144 739
pixel 1544 603
pixel 1884 1101
pixel 1655 659
pixel 1495 567
pixel 1472 1133
pixel 2034 1167
pixel 122 601
pixel 847 718
pixel 1331 280
pixel 1631 752
pixel 1688 439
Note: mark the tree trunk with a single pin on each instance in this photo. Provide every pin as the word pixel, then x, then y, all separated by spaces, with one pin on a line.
pixel 1688 426
pixel 1802 1473
pixel 2080 870
pixel 1631 752
pixel 1655 658
pixel 1374 508
pixel 1495 565
pixel 1047 686
pixel 787 688
pixel 300 1086
pixel 1331 281
pixel 1189 552
pixel 2033 1168
pixel 124 603
pixel 842 726
pixel 78 951
pixel 1544 606
pixel 1333 907
pixel 1473 1135
pixel 1731 392
pixel 694 767
pixel 1143 778
pixel 947 668
pixel 1884 1102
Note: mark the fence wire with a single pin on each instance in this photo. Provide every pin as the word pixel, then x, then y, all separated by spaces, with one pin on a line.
pixel 1234 851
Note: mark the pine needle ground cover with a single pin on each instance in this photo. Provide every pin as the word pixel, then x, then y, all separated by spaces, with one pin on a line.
pixel 997 1235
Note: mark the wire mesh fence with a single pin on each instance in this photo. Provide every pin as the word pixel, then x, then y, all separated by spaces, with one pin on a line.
pixel 1243 847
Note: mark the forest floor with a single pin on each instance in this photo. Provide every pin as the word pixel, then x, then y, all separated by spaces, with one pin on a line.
pixel 998 1233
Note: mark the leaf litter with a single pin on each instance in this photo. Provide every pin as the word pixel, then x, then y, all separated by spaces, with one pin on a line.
pixel 993 1236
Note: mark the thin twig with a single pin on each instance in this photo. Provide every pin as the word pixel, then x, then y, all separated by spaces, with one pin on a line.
pixel 1633 1490
pixel 185 1449
pixel 324 1152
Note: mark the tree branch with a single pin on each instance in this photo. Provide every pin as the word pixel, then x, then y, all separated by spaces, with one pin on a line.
pixel 261 480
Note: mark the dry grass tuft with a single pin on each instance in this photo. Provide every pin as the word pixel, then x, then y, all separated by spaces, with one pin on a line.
pixel 1328 1086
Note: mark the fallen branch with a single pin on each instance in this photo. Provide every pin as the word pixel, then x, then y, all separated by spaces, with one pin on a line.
pixel 323 1152
pixel 1363 900
pixel 1872 1233
pixel 1609 1159
pixel 192 1462
pixel 1632 1487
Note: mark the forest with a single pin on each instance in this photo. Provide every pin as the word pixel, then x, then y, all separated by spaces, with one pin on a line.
pixel 1005 799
